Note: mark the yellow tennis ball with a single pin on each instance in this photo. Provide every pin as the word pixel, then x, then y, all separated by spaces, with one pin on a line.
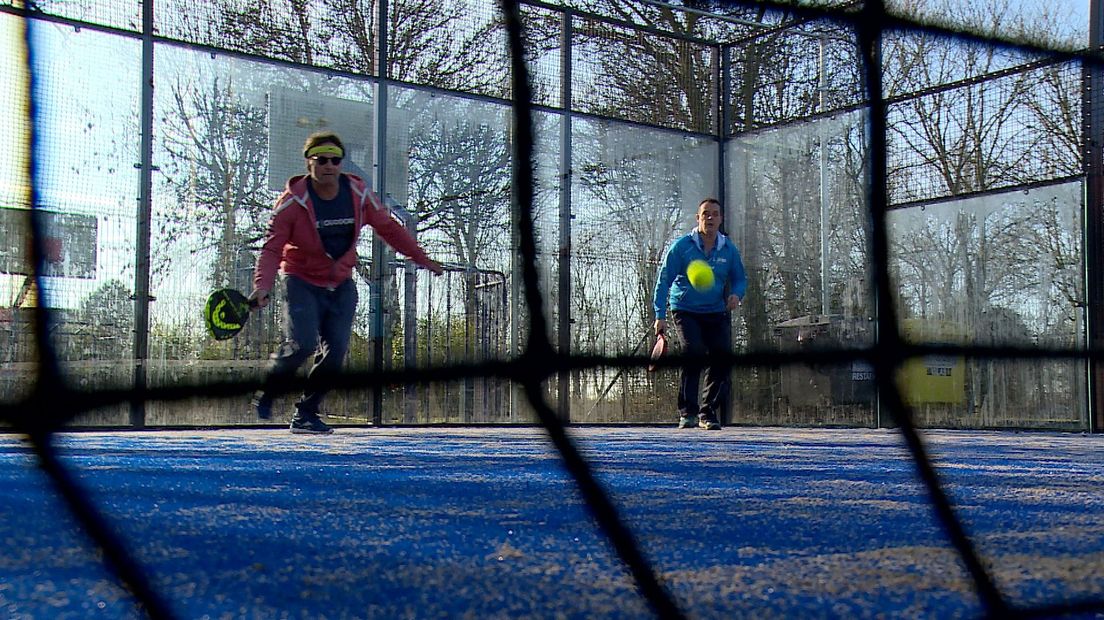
pixel 700 274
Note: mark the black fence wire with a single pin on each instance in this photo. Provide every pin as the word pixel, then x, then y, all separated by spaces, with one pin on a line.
pixel 52 402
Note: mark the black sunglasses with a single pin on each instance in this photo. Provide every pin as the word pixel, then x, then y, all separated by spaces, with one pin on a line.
pixel 326 160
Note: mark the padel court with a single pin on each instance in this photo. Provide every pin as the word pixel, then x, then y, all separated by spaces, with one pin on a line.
pixel 548 152
pixel 485 523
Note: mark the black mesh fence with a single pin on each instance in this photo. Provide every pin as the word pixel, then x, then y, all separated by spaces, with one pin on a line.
pixel 972 126
pixel 909 200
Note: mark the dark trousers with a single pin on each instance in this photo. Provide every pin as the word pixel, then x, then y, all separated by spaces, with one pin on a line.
pixel 319 322
pixel 703 334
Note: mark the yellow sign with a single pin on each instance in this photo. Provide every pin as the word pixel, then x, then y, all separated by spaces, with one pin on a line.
pixel 933 378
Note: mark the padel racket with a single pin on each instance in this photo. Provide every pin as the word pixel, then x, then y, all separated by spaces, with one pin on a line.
pixel 226 312
pixel 658 350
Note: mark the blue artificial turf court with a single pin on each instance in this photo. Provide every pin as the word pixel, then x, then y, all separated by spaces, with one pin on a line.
pixel 486 523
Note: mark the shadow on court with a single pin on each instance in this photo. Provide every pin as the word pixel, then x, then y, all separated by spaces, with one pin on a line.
pixel 484 523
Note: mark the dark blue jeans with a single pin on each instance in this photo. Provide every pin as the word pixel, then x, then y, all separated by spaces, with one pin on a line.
pixel 319 322
pixel 703 334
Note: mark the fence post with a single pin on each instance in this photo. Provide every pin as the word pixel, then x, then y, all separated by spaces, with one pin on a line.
pixel 1092 111
pixel 145 210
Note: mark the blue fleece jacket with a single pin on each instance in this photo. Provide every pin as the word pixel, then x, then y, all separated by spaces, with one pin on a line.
pixel 673 288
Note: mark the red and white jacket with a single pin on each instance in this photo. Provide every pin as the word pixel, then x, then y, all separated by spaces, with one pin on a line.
pixel 293 244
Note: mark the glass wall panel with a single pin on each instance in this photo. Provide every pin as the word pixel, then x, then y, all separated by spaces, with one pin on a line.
pixel 14 123
pixel 798 213
pixel 86 92
pixel 634 191
pixel 449 170
pixel 18 353
pixel 1002 269
pixel 549 230
pixel 229 133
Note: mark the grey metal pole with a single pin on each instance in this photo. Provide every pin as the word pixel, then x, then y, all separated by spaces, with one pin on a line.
pixel 410 329
pixel 515 297
pixel 825 220
pixel 145 209
pixel 379 185
pixel 564 281
pixel 722 76
pixel 722 82
pixel 1092 110
pixel 428 389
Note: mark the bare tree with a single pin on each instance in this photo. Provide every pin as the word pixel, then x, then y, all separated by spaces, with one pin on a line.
pixel 460 186
pixel 104 324
pixel 987 263
pixel 216 148
pixel 649 77
pixel 214 163
pixel 432 42
pixel 972 139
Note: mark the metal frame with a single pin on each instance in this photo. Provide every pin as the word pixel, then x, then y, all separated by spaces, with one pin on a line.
pixel 1093 158
pixel 142 297
pixel 563 329
pixel 379 185
pixel 1092 110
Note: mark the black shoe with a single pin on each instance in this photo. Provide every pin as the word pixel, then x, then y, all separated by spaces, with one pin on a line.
pixel 709 422
pixel 262 404
pixel 309 425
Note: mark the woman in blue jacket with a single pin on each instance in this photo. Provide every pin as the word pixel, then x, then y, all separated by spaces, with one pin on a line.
pixel 701 315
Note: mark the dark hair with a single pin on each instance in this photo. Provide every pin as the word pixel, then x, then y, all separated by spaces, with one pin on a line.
pixel 321 137
pixel 708 200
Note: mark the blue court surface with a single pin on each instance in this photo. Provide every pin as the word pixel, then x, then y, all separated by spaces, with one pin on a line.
pixel 485 523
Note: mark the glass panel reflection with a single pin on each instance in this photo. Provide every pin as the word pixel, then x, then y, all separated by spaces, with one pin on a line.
pixel 1002 269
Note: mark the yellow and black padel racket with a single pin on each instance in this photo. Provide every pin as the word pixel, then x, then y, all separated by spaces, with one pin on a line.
pixel 226 312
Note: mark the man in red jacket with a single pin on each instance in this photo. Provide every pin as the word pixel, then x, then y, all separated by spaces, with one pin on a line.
pixel 312 241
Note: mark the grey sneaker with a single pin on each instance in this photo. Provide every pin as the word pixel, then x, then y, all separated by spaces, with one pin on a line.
pixel 688 421
pixel 309 425
pixel 709 422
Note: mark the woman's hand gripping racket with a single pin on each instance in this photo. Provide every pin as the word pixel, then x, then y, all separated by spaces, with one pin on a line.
pixel 658 350
pixel 226 312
